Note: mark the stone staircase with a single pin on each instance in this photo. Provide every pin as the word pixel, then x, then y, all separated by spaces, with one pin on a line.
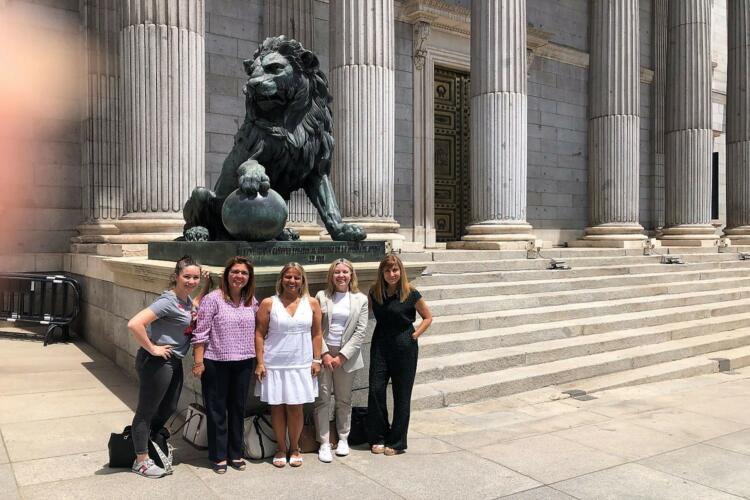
pixel 505 324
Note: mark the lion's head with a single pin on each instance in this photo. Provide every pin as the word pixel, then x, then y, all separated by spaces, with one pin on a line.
pixel 285 83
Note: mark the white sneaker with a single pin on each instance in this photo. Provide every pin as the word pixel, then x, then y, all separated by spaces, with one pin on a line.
pixel 148 468
pixel 324 453
pixel 342 448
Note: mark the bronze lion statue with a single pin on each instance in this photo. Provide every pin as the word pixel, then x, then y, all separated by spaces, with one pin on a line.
pixel 285 143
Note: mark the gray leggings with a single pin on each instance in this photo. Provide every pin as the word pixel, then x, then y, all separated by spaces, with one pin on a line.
pixel 159 393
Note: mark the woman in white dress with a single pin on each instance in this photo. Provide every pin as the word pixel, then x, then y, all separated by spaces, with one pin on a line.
pixel 288 339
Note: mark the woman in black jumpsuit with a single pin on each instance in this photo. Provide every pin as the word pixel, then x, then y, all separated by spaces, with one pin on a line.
pixel 393 354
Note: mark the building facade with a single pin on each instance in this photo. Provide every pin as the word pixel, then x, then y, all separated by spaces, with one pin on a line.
pixel 479 124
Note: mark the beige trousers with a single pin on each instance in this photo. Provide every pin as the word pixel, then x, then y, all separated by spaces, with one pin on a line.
pixel 336 383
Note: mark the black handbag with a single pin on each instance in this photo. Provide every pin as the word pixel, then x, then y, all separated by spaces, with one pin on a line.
pixel 122 453
pixel 358 430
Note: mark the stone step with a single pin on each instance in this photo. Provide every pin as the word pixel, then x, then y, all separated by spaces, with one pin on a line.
pixel 458 291
pixel 453 267
pixel 459 364
pixel 483 304
pixel 458 323
pixel 449 343
pixel 525 378
pixel 730 359
pixel 448 278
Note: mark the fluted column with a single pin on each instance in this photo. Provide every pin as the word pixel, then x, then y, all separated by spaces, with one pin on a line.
pixel 294 19
pixel 689 137
pixel 498 125
pixel 660 9
pixel 614 100
pixel 738 122
pixel 101 142
pixel 362 83
pixel 162 55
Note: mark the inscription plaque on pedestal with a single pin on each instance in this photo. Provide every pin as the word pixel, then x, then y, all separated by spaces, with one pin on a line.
pixel 270 253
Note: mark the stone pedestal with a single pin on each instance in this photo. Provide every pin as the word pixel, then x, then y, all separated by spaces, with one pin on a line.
pixel 738 123
pixel 498 126
pixel 614 138
pixel 163 109
pixel 362 84
pixel 294 19
pixel 689 135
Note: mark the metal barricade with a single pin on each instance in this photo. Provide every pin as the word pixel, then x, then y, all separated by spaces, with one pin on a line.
pixel 40 299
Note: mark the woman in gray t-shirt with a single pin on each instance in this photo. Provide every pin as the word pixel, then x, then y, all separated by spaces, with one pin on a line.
pixel 162 330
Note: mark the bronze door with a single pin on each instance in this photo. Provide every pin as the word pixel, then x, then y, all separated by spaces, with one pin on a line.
pixel 452 207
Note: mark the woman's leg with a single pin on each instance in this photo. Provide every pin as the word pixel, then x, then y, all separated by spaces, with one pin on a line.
pixel 403 366
pixel 377 410
pixel 171 398
pixel 322 408
pixel 154 382
pixel 294 422
pixel 278 422
pixel 214 385
pixel 239 385
pixel 342 391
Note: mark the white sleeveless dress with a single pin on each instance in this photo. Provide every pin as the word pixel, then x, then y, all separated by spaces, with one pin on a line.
pixel 288 356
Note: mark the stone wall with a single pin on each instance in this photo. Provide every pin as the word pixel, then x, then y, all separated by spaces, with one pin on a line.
pixel 39 126
pixel 404 117
pixel 233 33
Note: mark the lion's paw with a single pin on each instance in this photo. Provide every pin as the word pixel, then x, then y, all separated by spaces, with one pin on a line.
pixel 288 234
pixel 197 233
pixel 255 182
pixel 348 232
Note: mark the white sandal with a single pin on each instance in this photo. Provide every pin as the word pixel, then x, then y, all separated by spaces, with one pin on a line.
pixel 279 462
pixel 296 461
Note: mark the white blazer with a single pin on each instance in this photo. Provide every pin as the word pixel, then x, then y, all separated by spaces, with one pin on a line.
pixel 354 330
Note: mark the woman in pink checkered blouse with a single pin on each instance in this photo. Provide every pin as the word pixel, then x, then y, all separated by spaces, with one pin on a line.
pixel 224 359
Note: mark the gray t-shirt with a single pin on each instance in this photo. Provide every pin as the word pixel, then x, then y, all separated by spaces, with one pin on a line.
pixel 174 317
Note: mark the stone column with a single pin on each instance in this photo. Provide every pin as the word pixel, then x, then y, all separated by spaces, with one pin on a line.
pixel 362 83
pixel 294 19
pixel 614 138
pixel 498 126
pixel 689 136
pixel 163 94
pixel 660 9
pixel 738 122
pixel 100 134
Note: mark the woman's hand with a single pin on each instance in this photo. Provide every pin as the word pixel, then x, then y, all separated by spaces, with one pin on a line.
pixel 260 371
pixel 337 362
pixel 315 369
pixel 163 351
pixel 327 359
pixel 414 336
pixel 198 369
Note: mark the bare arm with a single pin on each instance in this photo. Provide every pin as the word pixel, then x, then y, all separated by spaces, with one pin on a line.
pixel 262 318
pixel 206 284
pixel 426 315
pixel 137 326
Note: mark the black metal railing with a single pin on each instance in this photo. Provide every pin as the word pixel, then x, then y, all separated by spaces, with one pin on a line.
pixel 52 300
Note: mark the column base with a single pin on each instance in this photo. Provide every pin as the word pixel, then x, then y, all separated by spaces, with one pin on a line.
pixel 612 236
pixel 495 236
pixel 689 235
pixel 739 235
pixel 377 230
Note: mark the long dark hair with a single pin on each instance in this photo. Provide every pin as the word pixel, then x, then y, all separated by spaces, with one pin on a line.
pixel 248 291
pixel 180 265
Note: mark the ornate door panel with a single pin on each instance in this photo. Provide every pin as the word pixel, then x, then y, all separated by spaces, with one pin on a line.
pixel 452 208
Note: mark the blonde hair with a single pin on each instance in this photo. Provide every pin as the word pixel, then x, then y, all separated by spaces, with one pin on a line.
pixel 379 288
pixel 353 283
pixel 303 290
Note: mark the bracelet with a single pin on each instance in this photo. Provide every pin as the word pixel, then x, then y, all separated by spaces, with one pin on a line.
pixel 317 361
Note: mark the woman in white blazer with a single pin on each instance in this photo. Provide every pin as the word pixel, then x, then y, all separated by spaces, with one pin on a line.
pixel 345 313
